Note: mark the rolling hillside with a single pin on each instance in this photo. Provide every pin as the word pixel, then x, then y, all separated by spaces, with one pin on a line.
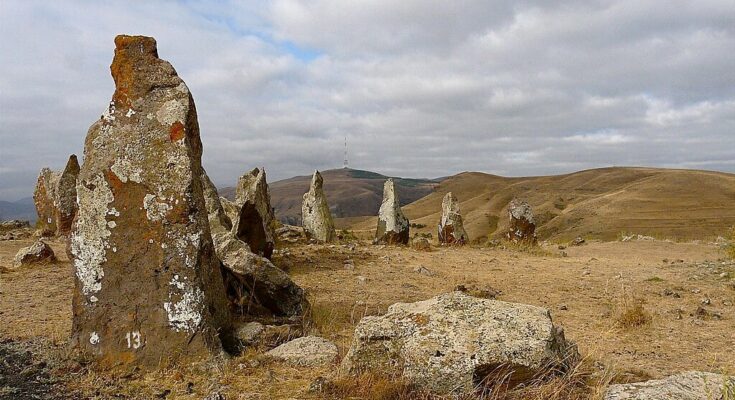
pixel 350 193
pixel 599 203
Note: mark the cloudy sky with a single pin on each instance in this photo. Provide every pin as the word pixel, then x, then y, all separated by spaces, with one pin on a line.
pixel 421 88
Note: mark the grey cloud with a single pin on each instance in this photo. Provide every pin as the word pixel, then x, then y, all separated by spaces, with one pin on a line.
pixel 421 88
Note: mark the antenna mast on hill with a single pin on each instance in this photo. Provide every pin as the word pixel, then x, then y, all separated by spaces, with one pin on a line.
pixel 345 164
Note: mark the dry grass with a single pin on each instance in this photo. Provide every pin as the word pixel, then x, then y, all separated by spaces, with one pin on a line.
pixel 731 246
pixel 632 315
pixel 371 385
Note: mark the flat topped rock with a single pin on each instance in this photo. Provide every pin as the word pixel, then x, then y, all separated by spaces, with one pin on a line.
pixel 450 343
pixel 306 351
pixel 692 385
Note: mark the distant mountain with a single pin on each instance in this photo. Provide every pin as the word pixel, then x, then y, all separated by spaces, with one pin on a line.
pixel 599 203
pixel 23 209
pixel 350 193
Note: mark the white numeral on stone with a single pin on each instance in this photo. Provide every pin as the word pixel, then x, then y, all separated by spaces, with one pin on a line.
pixel 133 339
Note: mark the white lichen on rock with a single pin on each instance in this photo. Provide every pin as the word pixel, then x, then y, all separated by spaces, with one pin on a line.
pixel 154 210
pixel 171 111
pixel 124 170
pixel 90 238
pixel 186 313
pixel 94 338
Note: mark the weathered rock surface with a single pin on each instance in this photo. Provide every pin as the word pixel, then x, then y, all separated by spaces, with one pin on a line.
pixel 255 222
pixel 14 230
pixel 452 342
pixel 65 201
pixel 451 229
pixel 306 351
pixel 290 233
pixel 43 198
pixel 248 333
pixel 692 385
pixel 315 215
pixel 522 226
pixel 254 285
pixel 148 286
pixel 393 226
pixel 37 253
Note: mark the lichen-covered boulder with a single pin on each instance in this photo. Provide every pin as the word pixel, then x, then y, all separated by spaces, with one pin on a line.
pixel 65 201
pixel 306 351
pixel 43 198
pixel 315 215
pixel 454 342
pixel 451 229
pixel 148 286
pixel 37 253
pixel 393 226
pixel 692 385
pixel 522 227
pixel 255 222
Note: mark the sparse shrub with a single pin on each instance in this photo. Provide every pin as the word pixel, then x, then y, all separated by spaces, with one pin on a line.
pixel 347 235
pixel 417 226
pixel 654 279
pixel 633 314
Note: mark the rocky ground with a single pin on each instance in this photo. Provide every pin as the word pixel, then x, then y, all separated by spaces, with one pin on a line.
pixel 687 292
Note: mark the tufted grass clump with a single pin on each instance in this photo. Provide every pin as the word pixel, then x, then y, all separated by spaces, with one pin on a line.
pixel 633 315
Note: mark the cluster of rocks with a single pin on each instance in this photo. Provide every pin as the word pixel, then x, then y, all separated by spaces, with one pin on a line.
pixel 55 198
pixel 14 229
pixel 162 268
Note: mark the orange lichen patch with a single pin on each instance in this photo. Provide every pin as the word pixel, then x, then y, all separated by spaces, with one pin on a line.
pixel 420 319
pixel 113 180
pixel 176 132
pixel 128 51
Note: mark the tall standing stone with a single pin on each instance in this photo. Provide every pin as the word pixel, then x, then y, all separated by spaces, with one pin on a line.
pixel 315 215
pixel 148 288
pixel 66 197
pixel 43 198
pixel 522 226
pixel 451 229
pixel 393 226
pixel 255 224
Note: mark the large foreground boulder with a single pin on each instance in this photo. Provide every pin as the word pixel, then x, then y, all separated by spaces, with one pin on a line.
pixel 37 253
pixel 692 385
pixel 148 286
pixel 255 223
pixel 522 226
pixel 451 229
pixel 253 284
pixel 315 215
pixel 454 342
pixel 393 226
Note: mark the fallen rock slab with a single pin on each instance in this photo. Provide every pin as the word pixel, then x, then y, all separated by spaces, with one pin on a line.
pixel 306 351
pixel 452 343
pixel 692 385
pixel 37 253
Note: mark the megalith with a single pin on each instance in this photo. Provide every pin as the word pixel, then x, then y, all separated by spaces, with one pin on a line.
pixel 148 287
pixel 43 198
pixel 255 222
pixel 66 197
pixel 451 229
pixel 315 215
pixel 393 226
pixel 522 227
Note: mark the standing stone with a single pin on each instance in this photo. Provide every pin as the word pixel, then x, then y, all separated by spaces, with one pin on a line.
pixel 393 226
pixel 315 215
pixel 522 226
pixel 256 221
pixel 148 287
pixel 66 197
pixel 451 230
pixel 43 198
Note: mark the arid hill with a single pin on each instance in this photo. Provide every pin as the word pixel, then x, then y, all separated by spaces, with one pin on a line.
pixel 350 193
pixel 600 203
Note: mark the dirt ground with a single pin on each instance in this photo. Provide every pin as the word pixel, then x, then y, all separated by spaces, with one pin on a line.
pixel 687 288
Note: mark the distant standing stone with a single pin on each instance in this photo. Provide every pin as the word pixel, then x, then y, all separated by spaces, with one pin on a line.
pixel 66 197
pixel 393 226
pixel 522 226
pixel 315 215
pixel 255 222
pixel 451 229
pixel 43 198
